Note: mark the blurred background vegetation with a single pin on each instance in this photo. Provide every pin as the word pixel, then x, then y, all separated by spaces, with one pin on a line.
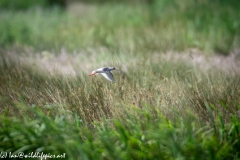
pixel 158 25
pixel 26 4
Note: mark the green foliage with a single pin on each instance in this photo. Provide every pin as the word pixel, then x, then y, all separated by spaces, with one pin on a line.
pixel 16 32
pixel 124 140
pixel 22 29
pixel 21 4
pixel 26 4
pixel 197 18
pixel 148 27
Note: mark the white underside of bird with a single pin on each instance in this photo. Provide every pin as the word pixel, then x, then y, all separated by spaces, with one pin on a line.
pixel 106 72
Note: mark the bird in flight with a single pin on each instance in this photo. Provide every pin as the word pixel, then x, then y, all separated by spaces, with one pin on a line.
pixel 106 72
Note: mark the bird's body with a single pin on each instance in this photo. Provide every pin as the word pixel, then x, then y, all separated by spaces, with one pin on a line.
pixel 106 72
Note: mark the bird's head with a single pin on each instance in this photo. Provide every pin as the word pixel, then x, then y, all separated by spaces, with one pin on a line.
pixel 113 68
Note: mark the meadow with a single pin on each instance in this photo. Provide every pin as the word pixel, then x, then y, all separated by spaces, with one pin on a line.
pixel 176 96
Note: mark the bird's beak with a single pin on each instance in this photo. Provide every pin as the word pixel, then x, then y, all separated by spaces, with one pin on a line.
pixel 92 74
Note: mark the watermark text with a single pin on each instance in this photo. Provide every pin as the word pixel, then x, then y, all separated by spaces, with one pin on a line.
pixel 39 155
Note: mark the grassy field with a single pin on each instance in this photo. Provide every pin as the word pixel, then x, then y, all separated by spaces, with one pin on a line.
pixel 176 96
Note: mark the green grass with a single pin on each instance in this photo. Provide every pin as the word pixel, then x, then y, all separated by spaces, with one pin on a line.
pixel 131 139
pixel 157 109
pixel 154 27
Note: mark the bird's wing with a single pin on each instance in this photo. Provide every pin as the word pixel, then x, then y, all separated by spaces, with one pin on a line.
pixel 108 75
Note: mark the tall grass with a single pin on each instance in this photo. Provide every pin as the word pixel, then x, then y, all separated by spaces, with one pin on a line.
pixel 170 84
pixel 171 111
pixel 139 136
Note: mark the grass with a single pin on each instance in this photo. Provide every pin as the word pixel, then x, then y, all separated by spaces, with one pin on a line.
pixel 180 112
pixel 157 109
pixel 146 28
pixel 158 140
